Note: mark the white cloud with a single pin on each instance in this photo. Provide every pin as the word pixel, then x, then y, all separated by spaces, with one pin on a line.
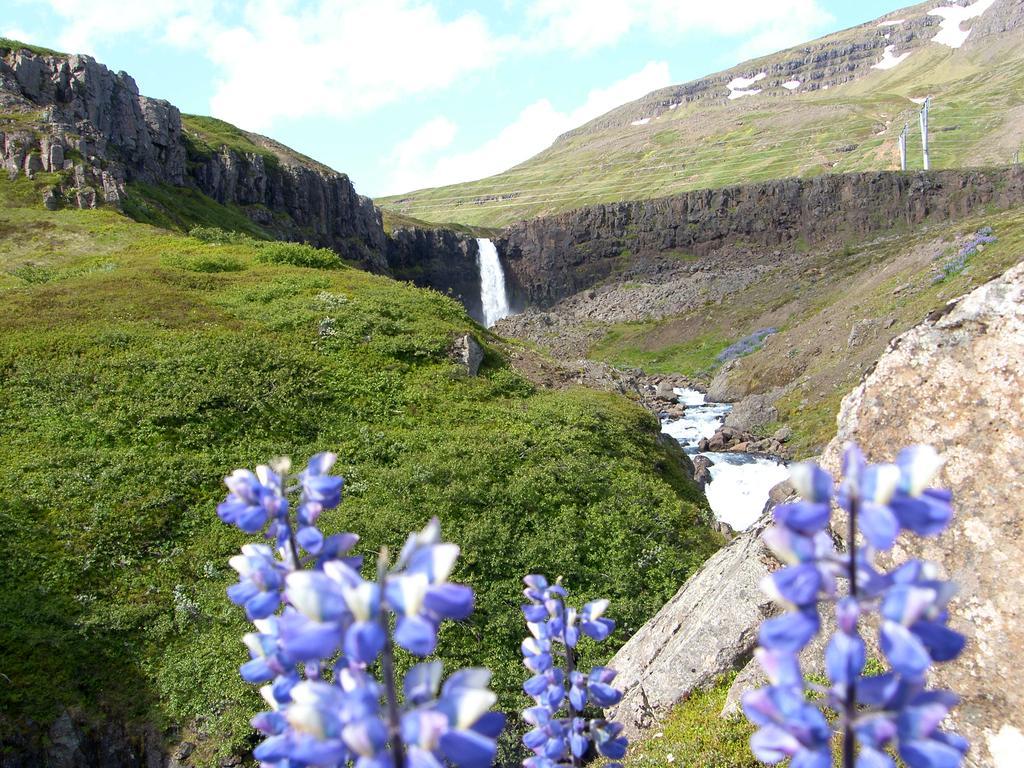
pixel 533 130
pixel 277 59
pixel 580 25
pixel 429 138
pixel 16 33
pixel 284 58
pixel 585 25
pixel 88 24
pixel 341 57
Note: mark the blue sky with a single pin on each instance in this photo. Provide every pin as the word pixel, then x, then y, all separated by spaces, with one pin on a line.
pixel 403 94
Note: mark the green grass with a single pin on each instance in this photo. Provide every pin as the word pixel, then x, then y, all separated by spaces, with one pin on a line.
pixel 208 135
pixel 694 736
pixel 6 44
pixel 620 346
pixel 183 208
pixel 393 221
pixel 139 366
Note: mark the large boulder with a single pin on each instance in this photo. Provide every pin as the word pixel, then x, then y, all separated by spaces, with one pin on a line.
pixel 751 412
pixel 957 382
pixel 725 387
pixel 709 628
pixel 467 352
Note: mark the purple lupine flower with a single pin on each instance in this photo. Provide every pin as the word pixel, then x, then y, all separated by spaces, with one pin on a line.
pixel 321 625
pixel 259 581
pixel 254 499
pixel 565 740
pixel 320 491
pixel 789 726
pixel 881 712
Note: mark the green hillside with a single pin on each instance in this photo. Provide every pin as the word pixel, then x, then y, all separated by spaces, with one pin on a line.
pixel 138 366
pixel 977 119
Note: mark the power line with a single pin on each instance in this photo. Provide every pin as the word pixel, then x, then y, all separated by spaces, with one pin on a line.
pixel 924 131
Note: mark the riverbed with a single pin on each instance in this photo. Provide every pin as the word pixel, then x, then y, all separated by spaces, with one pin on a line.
pixel 740 482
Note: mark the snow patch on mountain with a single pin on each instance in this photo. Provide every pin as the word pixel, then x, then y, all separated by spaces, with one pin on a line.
pixel 740 86
pixel 953 16
pixel 890 59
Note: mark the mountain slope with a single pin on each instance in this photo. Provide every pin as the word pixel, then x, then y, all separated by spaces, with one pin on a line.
pixel 842 114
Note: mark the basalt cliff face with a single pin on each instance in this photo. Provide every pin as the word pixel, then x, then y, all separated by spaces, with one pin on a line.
pixel 548 259
pixel 73 117
pixel 440 259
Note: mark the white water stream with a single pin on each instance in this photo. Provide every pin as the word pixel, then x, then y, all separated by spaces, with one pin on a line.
pixel 493 294
pixel 740 482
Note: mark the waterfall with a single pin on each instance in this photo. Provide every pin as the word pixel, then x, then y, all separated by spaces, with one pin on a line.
pixel 493 295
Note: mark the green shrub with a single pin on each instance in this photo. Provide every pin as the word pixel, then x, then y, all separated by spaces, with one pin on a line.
pixel 219 236
pixel 298 255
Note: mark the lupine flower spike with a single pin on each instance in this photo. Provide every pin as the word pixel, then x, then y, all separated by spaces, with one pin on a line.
pixel 877 713
pixel 320 627
pixel 557 684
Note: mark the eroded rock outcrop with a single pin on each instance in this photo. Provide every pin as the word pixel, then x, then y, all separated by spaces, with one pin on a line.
pixel 708 628
pixel 91 125
pixel 72 116
pixel 956 382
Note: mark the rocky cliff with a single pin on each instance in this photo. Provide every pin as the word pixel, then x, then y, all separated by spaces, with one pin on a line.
pixel 551 258
pixel 439 259
pixel 72 117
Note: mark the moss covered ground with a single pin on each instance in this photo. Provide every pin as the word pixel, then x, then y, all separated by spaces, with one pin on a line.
pixel 138 366
pixel 694 735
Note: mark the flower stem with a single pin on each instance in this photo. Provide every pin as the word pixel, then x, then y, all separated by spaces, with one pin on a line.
pixel 570 667
pixel 394 722
pixel 388 669
pixel 851 685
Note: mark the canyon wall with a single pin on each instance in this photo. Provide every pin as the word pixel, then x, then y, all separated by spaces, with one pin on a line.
pixel 550 258
pixel 441 259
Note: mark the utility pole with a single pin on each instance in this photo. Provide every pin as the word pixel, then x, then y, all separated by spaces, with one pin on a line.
pixel 903 147
pixel 924 130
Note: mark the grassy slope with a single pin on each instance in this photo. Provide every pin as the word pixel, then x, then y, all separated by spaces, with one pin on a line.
pixel 890 281
pixel 139 366
pixel 181 208
pixel 694 735
pixel 977 119
pixel 16 45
